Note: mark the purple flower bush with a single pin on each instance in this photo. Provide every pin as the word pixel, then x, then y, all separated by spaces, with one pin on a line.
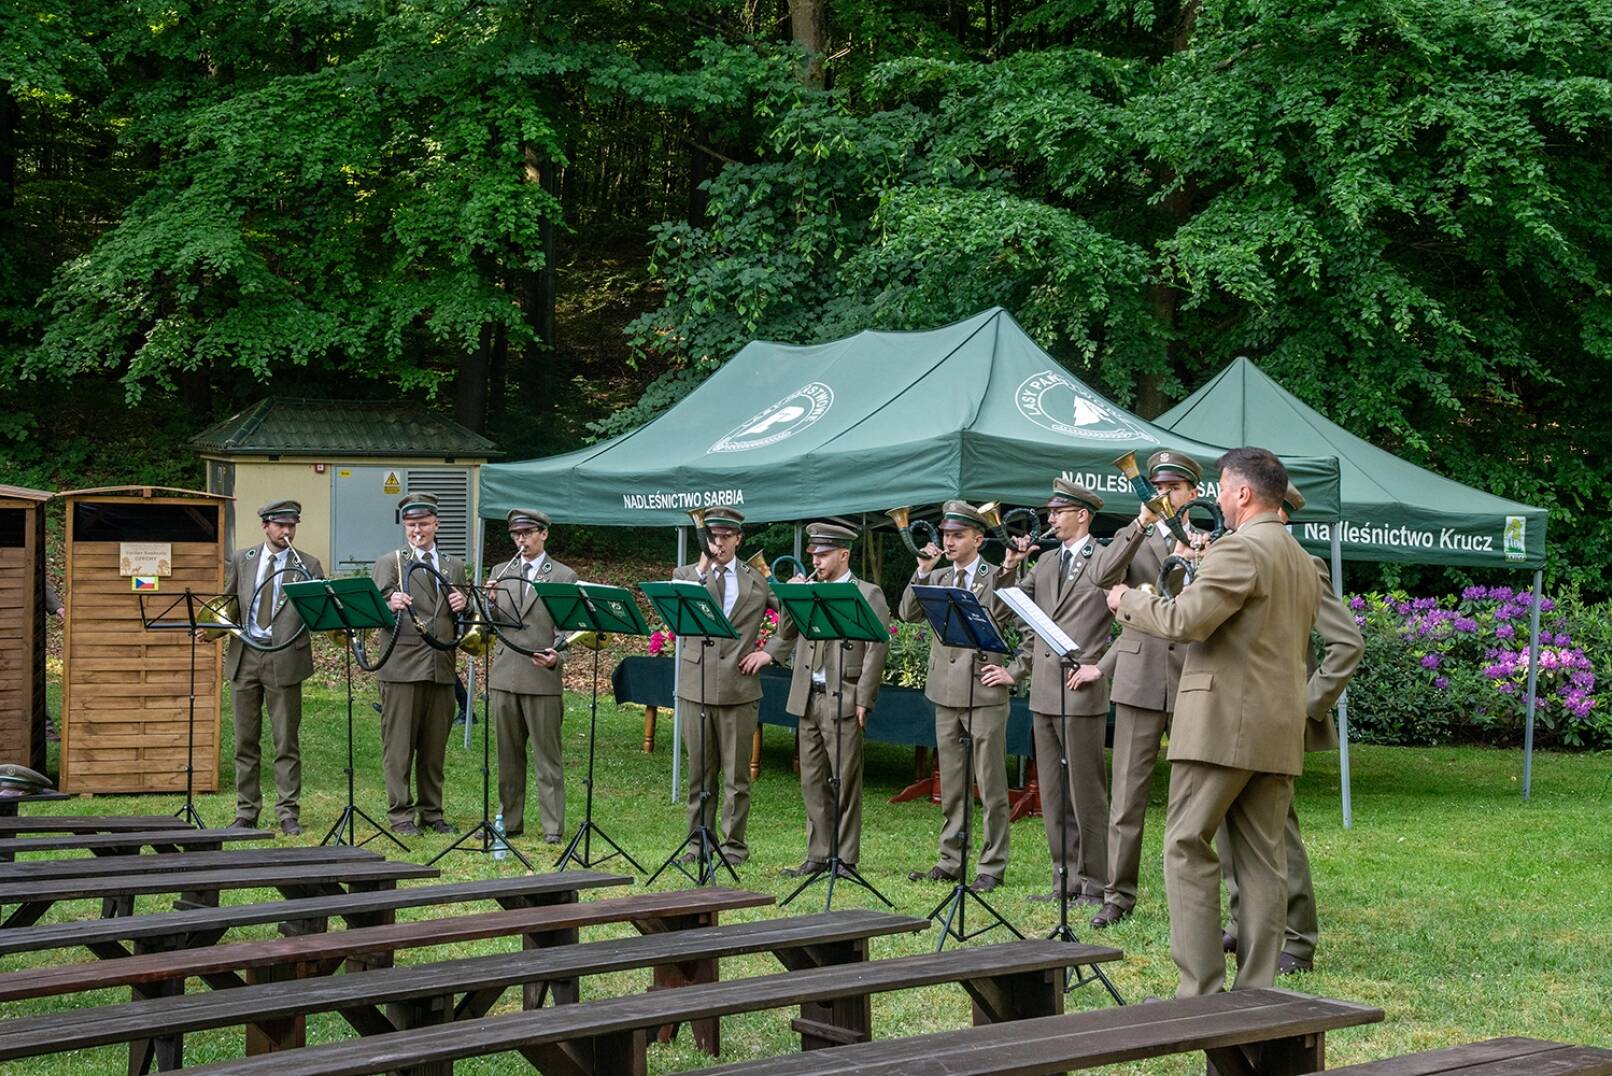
pixel 1443 669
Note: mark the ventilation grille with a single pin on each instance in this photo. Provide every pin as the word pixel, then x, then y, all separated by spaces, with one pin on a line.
pixel 452 487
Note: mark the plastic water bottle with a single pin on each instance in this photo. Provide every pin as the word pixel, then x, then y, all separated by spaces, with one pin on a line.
pixel 500 846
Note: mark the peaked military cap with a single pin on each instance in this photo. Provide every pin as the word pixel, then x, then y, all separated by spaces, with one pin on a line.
pixel 524 518
pixel 960 515
pixel 730 518
pixel 281 512
pixel 1169 465
pixel 414 505
pixel 824 537
pixel 20 780
pixel 1065 493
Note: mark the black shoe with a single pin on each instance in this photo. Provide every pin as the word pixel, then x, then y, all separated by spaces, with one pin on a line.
pixel 688 859
pixel 1228 944
pixel 933 874
pixel 406 829
pixel 291 827
pixel 377 706
pixel 243 823
pixel 985 883
pixel 806 870
pixel 442 825
pixel 552 838
pixel 1288 964
pixel 1111 914
pixel 846 870
pixel 1043 898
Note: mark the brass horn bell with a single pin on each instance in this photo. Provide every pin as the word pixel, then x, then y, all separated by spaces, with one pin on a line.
pixel 225 612
pixel 477 638
pixel 758 561
pixel 905 524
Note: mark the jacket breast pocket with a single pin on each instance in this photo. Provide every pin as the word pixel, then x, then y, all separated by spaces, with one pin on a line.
pixel 1198 681
pixel 1129 643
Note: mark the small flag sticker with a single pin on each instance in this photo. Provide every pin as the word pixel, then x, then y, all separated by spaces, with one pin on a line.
pixel 143 582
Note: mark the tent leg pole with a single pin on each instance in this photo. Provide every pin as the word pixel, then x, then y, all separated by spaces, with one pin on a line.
pixel 1533 686
pixel 797 543
pixel 478 538
pixel 677 702
pixel 1343 699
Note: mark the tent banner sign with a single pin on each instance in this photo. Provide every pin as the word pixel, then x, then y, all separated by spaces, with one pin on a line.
pixel 1482 539
pixel 661 500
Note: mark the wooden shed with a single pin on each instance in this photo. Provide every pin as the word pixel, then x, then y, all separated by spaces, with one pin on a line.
pixel 22 626
pixel 126 690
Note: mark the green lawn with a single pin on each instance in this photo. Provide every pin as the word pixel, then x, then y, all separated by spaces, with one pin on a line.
pixel 1459 909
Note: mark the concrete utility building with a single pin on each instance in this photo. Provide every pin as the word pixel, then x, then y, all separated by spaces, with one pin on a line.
pixel 348 462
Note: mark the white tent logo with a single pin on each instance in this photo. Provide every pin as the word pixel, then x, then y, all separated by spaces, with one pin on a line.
pixel 787 417
pixel 1055 401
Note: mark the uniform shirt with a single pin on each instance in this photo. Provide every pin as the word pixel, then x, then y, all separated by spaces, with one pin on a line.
pixel 730 584
pixel 818 676
pixel 530 568
pixel 965 575
pixel 271 561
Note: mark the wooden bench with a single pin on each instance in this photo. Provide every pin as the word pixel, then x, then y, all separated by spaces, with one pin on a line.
pixel 424 995
pixel 9 804
pixel 1253 1032
pixel 130 843
pixel 163 931
pixel 88 823
pixel 199 888
pixel 1494 1057
pixel 112 866
pixel 1011 981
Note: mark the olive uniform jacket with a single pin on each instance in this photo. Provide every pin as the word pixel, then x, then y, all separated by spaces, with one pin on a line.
pixel 954 670
pixel 1342 649
pixel 1078 605
pixel 854 671
pixel 513 599
pixel 1143 670
pixel 724 684
pixel 1248 614
pixel 414 660
pixel 281 668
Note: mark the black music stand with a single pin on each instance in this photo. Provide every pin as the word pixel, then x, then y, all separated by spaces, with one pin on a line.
pixel 592 607
pixel 690 612
pixel 960 620
pixel 1068 658
pixel 833 612
pixel 491 840
pixel 349 605
pixel 180 615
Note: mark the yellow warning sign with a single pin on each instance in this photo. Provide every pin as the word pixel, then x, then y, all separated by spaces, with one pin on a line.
pixel 392 485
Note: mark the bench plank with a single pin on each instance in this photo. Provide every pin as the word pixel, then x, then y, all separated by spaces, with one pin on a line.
pixel 30 1036
pixel 610 1033
pixel 305 876
pixel 1512 1056
pixel 336 946
pixel 178 929
pixel 129 843
pixel 174 862
pixel 1055 1044
pixel 89 823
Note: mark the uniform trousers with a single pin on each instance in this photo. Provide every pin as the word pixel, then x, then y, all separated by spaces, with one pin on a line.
pixel 1252 807
pixel 1083 850
pixel 989 732
pixel 415 719
pixel 1137 733
pixel 248 694
pixel 725 748
pixel 518 718
pixel 1303 928
pixel 831 744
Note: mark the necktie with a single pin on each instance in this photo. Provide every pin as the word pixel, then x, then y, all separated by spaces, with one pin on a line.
pixel 430 559
pixel 722 586
pixel 265 602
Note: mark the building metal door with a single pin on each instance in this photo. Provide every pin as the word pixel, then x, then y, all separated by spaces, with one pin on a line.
pixel 364 514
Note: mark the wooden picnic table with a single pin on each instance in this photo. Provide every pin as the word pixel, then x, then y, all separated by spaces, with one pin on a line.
pixel 199 888
pixel 9 804
pixel 174 862
pixel 1494 1057
pixel 88 823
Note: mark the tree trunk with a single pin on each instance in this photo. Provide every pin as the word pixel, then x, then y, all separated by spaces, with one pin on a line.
pixel 10 117
pixel 470 383
pixel 957 19
pixel 808 29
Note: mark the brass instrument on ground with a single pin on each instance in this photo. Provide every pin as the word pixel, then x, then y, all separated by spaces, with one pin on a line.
pixel 906 525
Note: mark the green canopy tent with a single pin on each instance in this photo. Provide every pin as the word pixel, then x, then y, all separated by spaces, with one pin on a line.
pixel 860 425
pixel 1393 510
pixel 876 420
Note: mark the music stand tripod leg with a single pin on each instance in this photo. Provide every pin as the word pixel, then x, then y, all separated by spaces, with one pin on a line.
pixel 701 836
pixel 584 833
pixel 350 814
pixel 484 829
pixel 189 812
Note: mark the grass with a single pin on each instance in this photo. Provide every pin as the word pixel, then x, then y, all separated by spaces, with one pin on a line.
pixel 1453 905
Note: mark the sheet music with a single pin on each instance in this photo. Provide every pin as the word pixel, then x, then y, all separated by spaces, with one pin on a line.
pixel 1038 622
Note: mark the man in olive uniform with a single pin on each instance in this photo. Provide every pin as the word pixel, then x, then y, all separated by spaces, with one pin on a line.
pixel 1237 740
pixel 526 690
pixel 1067 584
pixel 1143 672
pixel 256 577
pixel 722 679
pixel 417 682
pixel 1342 647
pixel 833 690
pixel 952 683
